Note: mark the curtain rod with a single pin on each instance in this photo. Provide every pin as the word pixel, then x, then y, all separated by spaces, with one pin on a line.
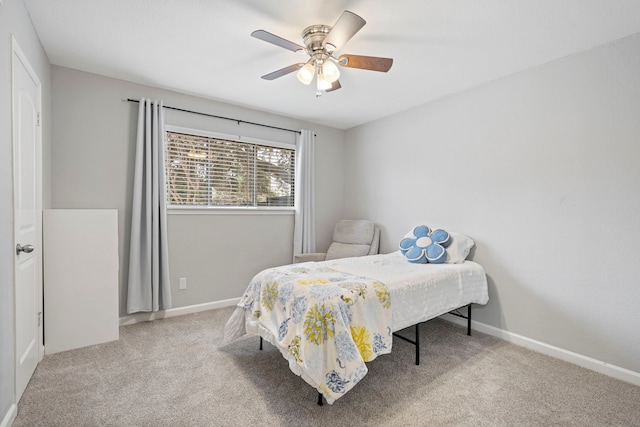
pixel 224 118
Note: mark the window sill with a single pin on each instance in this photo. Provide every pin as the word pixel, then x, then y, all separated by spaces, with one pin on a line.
pixel 230 211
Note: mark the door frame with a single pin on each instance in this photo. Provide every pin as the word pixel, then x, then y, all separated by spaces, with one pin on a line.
pixel 17 52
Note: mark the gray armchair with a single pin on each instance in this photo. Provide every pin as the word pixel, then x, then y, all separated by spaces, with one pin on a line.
pixel 351 238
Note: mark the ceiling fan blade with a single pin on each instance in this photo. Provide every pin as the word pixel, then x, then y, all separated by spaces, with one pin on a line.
pixel 345 27
pixel 278 41
pixel 334 86
pixel 282 72
pixel 372 63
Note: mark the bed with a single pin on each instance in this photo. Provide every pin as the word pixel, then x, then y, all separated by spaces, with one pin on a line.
pixel 329 318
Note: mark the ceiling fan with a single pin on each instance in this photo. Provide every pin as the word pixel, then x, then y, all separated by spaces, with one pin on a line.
pixel 320 43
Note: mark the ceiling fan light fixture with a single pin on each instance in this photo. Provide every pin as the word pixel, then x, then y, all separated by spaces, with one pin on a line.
pixel 306 73
pixel 330 71
pixel 323 83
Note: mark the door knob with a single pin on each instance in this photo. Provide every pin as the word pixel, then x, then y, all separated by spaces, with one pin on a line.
pixel 26 249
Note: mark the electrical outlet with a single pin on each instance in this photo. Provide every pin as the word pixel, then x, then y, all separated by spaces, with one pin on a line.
pixel 183 283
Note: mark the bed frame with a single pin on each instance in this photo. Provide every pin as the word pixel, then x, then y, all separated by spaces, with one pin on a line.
pixel 416 341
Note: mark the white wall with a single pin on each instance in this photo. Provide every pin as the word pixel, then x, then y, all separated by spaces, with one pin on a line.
pixel 92 167
pixel 542 169
pixel 14 20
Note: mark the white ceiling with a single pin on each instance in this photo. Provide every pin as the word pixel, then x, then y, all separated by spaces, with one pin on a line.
pixel 203 47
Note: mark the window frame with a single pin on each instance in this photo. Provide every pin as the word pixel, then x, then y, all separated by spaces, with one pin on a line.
pixel 201 209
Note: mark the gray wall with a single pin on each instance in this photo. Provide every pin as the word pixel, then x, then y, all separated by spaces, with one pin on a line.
pixel 542 169
pixel 92 167
pixel 15 20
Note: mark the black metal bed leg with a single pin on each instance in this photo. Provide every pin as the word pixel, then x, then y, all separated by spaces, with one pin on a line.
pixel 469 320
pixel 417 343
pixel 320 399
pixel 260 343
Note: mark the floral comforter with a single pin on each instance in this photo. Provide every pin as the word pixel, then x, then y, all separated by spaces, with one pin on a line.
pixel 326 323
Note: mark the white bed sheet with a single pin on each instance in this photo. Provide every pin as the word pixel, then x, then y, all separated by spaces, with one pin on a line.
pixel 420 292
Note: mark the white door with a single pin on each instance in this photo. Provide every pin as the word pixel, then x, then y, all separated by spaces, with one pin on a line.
pixel 27 203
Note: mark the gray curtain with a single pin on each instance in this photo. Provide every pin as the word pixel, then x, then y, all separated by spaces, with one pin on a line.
pixel 149 288
pixel 304 230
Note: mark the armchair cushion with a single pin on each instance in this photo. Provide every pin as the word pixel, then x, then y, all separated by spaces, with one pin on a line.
pixel 316 256
pixel 346 250
pixel 356 232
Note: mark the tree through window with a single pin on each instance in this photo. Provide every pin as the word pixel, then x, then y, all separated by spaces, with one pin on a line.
pixel 207 171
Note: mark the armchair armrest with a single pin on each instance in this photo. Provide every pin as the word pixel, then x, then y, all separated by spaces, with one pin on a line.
pixel 309 257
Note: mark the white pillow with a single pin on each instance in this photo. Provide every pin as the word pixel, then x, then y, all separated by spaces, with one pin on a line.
pixel 458 248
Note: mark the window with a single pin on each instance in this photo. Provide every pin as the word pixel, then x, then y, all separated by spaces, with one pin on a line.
pixel 207 171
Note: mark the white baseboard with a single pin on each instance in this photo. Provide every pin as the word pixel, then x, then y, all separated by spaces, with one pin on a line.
pixel 162 314
pixel 550 350
pixel 10 416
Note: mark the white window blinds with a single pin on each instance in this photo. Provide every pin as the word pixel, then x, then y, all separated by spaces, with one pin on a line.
pixel 206 171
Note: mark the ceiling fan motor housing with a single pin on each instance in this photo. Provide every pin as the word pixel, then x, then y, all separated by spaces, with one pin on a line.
pixel 313 37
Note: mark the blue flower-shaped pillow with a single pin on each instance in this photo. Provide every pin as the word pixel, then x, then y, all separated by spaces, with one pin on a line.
pixel 424 245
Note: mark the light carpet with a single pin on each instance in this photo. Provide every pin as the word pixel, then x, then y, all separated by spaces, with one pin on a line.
pixel 175 372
